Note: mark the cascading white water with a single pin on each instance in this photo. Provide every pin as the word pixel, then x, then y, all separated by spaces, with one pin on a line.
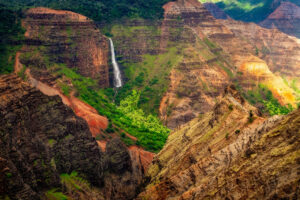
pixel 117 73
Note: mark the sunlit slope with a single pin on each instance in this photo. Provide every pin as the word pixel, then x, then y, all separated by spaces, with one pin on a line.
pixel 256 71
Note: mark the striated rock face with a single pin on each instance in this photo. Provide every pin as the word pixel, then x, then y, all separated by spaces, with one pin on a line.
pixel 229 153
pixel 285 18
pixel 203 71
pixel 68 38
pixel 280 51
pixel 217 12
pixel 56 38
pixel 209 55
pixel 255 71
pixel 229 46
pixel 42 138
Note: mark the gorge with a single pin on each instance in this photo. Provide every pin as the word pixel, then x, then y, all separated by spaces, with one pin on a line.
pixel 156 100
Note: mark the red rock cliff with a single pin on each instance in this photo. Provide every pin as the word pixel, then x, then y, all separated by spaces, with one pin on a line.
pixel 68 38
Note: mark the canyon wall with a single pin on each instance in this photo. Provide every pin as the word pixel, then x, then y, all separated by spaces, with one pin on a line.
pixel 68 38
pixel 210 54
pixel 229 153
pixel 285 18
pixel 41 139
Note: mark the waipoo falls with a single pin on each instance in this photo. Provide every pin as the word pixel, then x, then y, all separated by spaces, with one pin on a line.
pixel 149 100
pixel 117 73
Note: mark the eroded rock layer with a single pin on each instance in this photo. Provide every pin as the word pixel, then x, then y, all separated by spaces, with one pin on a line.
pixel 229 153
pixel 68 38
pixel 224 51
pixel 41 138
pixel 280 51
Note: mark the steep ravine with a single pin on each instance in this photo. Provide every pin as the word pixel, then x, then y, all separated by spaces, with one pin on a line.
pixel 76 37
pixel 30 64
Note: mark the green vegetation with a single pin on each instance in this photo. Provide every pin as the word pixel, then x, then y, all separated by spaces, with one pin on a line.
pixel 65 89
pixel 73 181
pixel 262 95
pixel 151 77
pixel 99 10
pixel 8 175
pixel 150 133
pixel 11 36
pixel 51 142
pixel 54 194
pixel 293 84
pixel 248 10
pixel 250 117
pixel 126 139
pixel 22 74
pixel 227 136
pixel 209 43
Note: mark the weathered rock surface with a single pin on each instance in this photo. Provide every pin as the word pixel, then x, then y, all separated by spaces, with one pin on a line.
pixel 211 53
pixel 42 138
pixel 68 38
pixel 286 18
pixel 280 51
pixel 229 153
pixel 229 45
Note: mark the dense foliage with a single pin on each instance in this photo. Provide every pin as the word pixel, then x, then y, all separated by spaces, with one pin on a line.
pixel 149 131
pixel 11 35
pixel 262 95
pixel 99 10
pixel 249 10
pixel 153 132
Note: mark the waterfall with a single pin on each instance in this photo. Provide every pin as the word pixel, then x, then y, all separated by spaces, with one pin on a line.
pixel 117 73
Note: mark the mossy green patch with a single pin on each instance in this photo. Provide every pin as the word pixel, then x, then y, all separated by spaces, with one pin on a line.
pixel 51 142
pixel 55 194
pixel 263 95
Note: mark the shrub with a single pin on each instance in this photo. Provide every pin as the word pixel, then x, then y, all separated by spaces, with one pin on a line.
pixel 55 194
pixel 251 117
pixel 227 136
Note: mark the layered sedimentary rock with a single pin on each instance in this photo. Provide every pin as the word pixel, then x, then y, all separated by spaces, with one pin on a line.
pixel 64 37
pixel 56 39
pixel 229 49
pixel 41 138
pixel 286 18
pixel 280 51
pixel 210 53
pixel 229 153
pixel 255 71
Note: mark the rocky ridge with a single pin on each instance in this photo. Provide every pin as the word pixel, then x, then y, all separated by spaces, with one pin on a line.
pixel 229 153
pixel 41 139
pixel 286 18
